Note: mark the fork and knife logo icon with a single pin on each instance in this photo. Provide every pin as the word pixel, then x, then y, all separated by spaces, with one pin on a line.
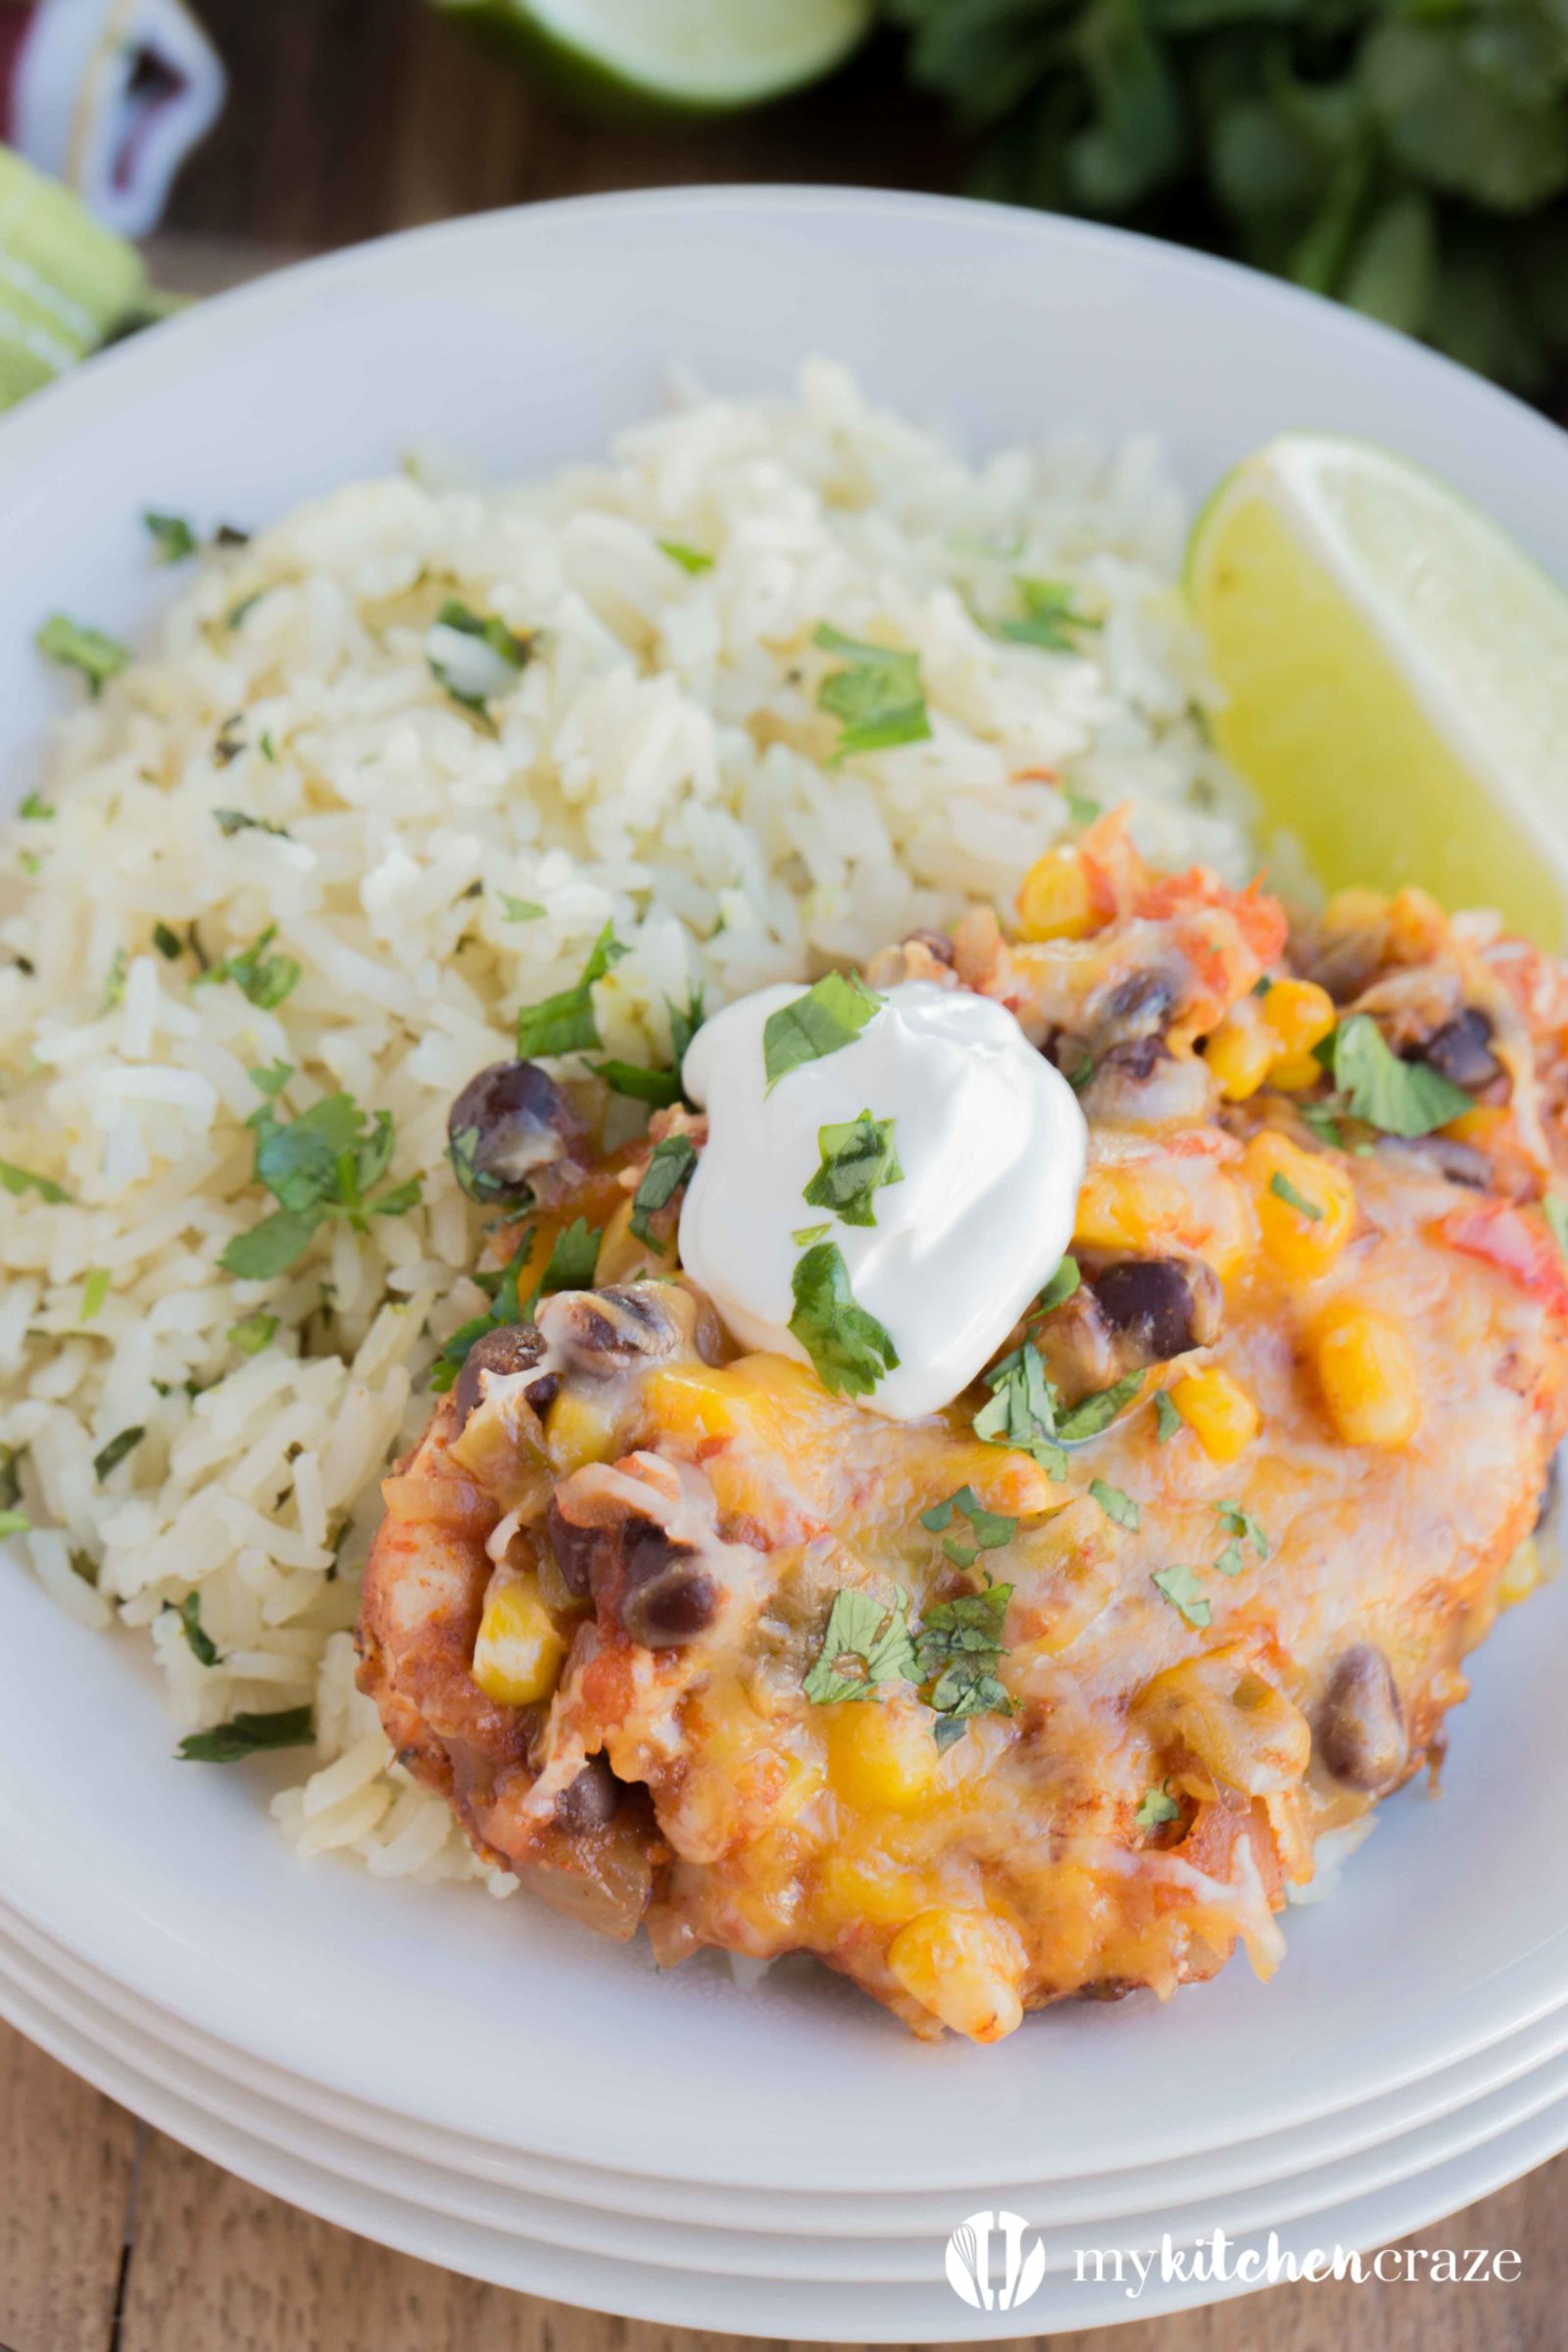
pixel 989 2241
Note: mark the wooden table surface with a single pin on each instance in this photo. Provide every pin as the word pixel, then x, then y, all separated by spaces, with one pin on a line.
pixel 349 118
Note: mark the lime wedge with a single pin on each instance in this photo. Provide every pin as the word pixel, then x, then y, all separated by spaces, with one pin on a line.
pixel 700 56
pixel 1397 677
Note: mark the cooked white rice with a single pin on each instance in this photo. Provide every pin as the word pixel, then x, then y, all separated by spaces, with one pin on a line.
pixel 662 763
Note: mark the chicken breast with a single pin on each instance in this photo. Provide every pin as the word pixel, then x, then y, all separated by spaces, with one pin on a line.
pixel 1065 1704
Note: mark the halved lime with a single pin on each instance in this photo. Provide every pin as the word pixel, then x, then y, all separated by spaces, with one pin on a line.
pixel 1396 675
pixel 704 55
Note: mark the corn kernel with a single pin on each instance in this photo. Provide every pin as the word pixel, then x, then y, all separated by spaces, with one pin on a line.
pixel 1055 897
pixel 1300 1013
pixel 963 1966
pixel 1241 1051
pixel 1218 1411
pixel 579 1431
pixel 1295 1073
pixel 516 1658
pixel 1486 1126
pixel 1521 1576
pixel 1366 1370
pixel 1141 1204
pixel 882 1758
pixel 1282 1176
pixel 1355 910
pixel 853 1890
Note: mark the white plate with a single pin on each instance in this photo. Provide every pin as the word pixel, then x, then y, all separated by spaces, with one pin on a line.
pixel 523 339
pixel 864 2306
pixel 695 2244
pixel 305 2118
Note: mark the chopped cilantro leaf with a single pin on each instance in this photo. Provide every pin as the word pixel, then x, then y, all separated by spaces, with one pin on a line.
pixel 1081 810
pixel 957 1652
pixel 200 1642
pixel 991 1529
pixel 166 942
pixel 1182 1590
pixel 685 1020
pixel 230 821
pixel 520 910
pixel 877 696
pixel 1167 1420
pixel 849 1348
pixel 505 1307
pixel 671 1162
pixel 35 808
pixel 804 1235
pixel 474 655
pixel 266 979
pixel 1048 614
pixel 858 1158
pixel 98 657
pixel 1320 1118
pixel 325 1163
pixel 113 1453
pixel 690 559
pixel 24 1180
pixel 659 1088
pixel 1157 1807
pixel 1059 1289
pixel 237 614
pixel 827 1017
pixel 1280 1185
pixel 1401 1097
pixel 1240 1522
pixel 253 1334
pixel 172 537
pixel 114 984
pixel 14 1523
pixel 1022 1412
pixel 1094 1414
pixel 248 1736
pixel 866 1642
pixel 564 1023
pixel 572 1258
pixel 94 1291
pixel 1115 1503
pixel 1229 1561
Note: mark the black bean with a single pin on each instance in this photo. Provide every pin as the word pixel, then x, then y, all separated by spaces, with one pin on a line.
pixel 589 1802
pixel 1160 1306
pixel 1360 1725
pixel 673 1607
pixel 575 1548
pixel 1461 1051
pixel 627 1324
pixel 510 1122
pixel 1136 1058
pixel 512 1347
pixel 935 943
pixel 1438 1156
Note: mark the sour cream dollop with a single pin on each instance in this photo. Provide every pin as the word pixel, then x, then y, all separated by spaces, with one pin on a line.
pixel 990 1142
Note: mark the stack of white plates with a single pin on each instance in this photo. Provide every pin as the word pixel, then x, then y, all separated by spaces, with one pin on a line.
pixel 482 2084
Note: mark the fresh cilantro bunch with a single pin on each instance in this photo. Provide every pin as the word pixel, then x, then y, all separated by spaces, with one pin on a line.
pixel 328 1162
pixel 1409 157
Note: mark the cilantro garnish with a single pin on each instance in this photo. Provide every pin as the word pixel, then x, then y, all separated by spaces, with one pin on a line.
pixel 166 942
pixel 35 808
pixel 827 1017
pixel 1167 1420
pixel 866 1642
pixel 1094 1414
pixel 94 1291
pixel 1401 1097
pixel 572 1258
pixel 1157 1807
pixel 564 1023
pixel 959 1651
pixel 858 1158
pixel 505 1307
pixel 877 697
pixel 24 1179
pixel 990 1528
pixel 230 821
pixel 475 672
pixel 98 657
pixel 1181 1587
pixel 1554 1209
pixel 248 1736
pixel 1048 614
pixel 804 1235
pixel 253 1334
pixel 326 1163
pixel 14 1523
pixel 1059 1289
pixel 199 1641
pixel 690 559
pixel 1320 1118
pixel 266 979
pixel 1280 1185
pixel 172 537
pixel 113 1453
pixel 114 984
pixel 520 910
pixel 848 1348
pixel 1081 809
pixel 686 1020
pixel 1240 1522
pixel 672 1161
pixel 656 1087
pixel 1022 1412
pixel 1115 1503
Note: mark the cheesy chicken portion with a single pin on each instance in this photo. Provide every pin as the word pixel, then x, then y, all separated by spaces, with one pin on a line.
pixel 1055 1692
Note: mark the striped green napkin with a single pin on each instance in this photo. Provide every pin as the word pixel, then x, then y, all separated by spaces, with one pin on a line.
pixel 66 285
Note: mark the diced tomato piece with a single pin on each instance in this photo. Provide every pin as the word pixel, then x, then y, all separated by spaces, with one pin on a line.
pixel 1520 1244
